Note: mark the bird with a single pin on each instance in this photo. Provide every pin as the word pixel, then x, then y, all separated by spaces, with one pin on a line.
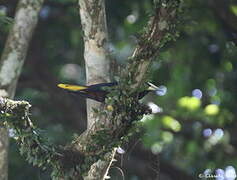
pixel 99 92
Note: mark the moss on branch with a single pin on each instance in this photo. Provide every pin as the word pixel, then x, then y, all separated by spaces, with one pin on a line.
pixel 67 162
pixel 161 29
pixel 37 148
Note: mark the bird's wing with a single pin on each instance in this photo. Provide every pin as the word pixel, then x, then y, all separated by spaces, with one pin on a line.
pixel 86 91
pixel 96 95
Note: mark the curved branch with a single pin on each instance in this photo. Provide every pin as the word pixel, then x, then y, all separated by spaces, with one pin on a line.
pixel 33 144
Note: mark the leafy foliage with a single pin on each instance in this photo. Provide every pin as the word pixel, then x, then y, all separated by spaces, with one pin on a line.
pixel 192 134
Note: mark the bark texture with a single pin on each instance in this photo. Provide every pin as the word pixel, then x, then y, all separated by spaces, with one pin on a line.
pixel 3 154
pixel 12 60
pixel 93 20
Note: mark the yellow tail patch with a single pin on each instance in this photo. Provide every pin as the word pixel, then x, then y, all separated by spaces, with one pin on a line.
pixel 72 87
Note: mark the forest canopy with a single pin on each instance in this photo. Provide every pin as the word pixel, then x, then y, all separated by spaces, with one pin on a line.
pixel 193 130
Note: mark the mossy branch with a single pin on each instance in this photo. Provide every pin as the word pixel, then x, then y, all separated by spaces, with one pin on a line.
pixel 37 148
pixel 161 29
pixel 66 162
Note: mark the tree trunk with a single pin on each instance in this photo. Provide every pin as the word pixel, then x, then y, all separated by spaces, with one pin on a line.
pixel 12 61
pixel 93 20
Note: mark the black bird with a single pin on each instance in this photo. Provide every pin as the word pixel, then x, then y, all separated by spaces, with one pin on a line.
pixel 97 91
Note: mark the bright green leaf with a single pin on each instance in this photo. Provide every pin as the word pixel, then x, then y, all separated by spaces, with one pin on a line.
pixel 211 109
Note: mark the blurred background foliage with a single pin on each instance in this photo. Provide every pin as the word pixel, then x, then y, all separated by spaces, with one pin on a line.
pixel 194 129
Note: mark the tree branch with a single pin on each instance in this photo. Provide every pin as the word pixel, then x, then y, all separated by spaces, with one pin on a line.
pixel 34 145
pixel 12 60
pixel 14 53
pixel 161 29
